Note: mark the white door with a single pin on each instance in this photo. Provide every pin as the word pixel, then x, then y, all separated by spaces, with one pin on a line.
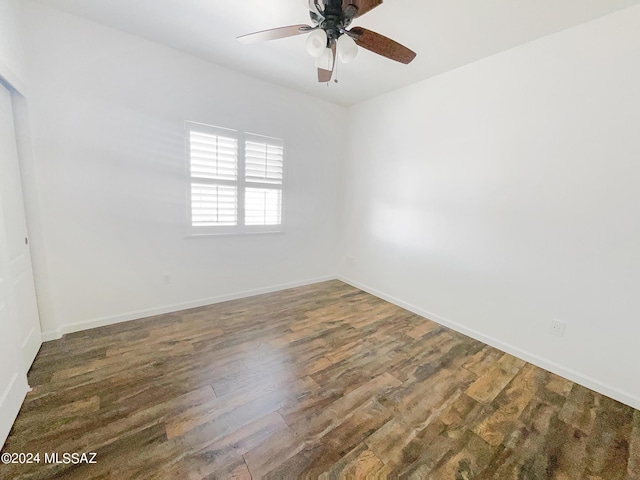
pixel 15 226
pixel 20 336
pixel 13 378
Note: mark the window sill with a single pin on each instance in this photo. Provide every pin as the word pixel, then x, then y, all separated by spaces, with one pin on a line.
pixel 231 233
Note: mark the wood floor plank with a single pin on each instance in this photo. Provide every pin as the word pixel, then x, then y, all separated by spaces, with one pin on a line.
pixel 314 425
pixel 239 411
pixel 223 458
pixel 580 409
pixel 517 395
pixel 420 330
pixel 466 462
pixel 519 456
pixel 321 381
pixel 489 385
pixel 607 446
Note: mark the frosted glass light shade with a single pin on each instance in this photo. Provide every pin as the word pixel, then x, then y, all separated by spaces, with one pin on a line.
pixel 316 43
pixel 347 49
pixel 325 61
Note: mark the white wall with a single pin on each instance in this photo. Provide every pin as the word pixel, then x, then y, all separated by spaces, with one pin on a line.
pixel 11 55
pixel 107 112
pixel 505 194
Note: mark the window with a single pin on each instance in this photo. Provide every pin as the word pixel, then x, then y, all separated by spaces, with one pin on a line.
pixel 235 181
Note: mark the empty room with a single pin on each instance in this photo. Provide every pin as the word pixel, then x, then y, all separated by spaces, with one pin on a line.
pixel 320 239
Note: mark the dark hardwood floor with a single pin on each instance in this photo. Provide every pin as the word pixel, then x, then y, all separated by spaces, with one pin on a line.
pixel 323 381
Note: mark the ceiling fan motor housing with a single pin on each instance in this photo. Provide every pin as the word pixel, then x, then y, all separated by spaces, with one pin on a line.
pixel 336 19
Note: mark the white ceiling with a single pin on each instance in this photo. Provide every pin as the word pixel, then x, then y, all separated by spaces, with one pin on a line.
pixel 446 34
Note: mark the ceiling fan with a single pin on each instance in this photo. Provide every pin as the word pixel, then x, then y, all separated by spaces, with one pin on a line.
pixel 329 36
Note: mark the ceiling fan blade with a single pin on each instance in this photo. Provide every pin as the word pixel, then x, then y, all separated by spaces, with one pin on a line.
pixel 382 45
pixel 324 76
pixel 363 5
pixel 275 33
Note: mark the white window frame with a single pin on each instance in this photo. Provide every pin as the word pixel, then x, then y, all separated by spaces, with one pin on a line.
pixel 241 183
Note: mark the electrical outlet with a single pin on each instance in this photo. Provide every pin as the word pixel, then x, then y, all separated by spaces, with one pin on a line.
pixel 352 261
pixel 166 278
pixel 557 328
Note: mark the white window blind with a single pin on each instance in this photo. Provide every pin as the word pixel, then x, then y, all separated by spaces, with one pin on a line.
pixel 263 206
pixel 213 156
pixel 236 181
pixel 264 158
pixel 213 205
pixel 263 162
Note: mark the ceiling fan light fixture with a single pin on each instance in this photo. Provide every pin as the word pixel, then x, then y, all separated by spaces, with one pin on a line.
pixel 347 49
pixel 316 43
pixel 325 61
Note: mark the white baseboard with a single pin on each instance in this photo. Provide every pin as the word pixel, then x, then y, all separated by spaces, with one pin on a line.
pixel 570 374
pixel 51 335
pixel 149 312
pixel 30 346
